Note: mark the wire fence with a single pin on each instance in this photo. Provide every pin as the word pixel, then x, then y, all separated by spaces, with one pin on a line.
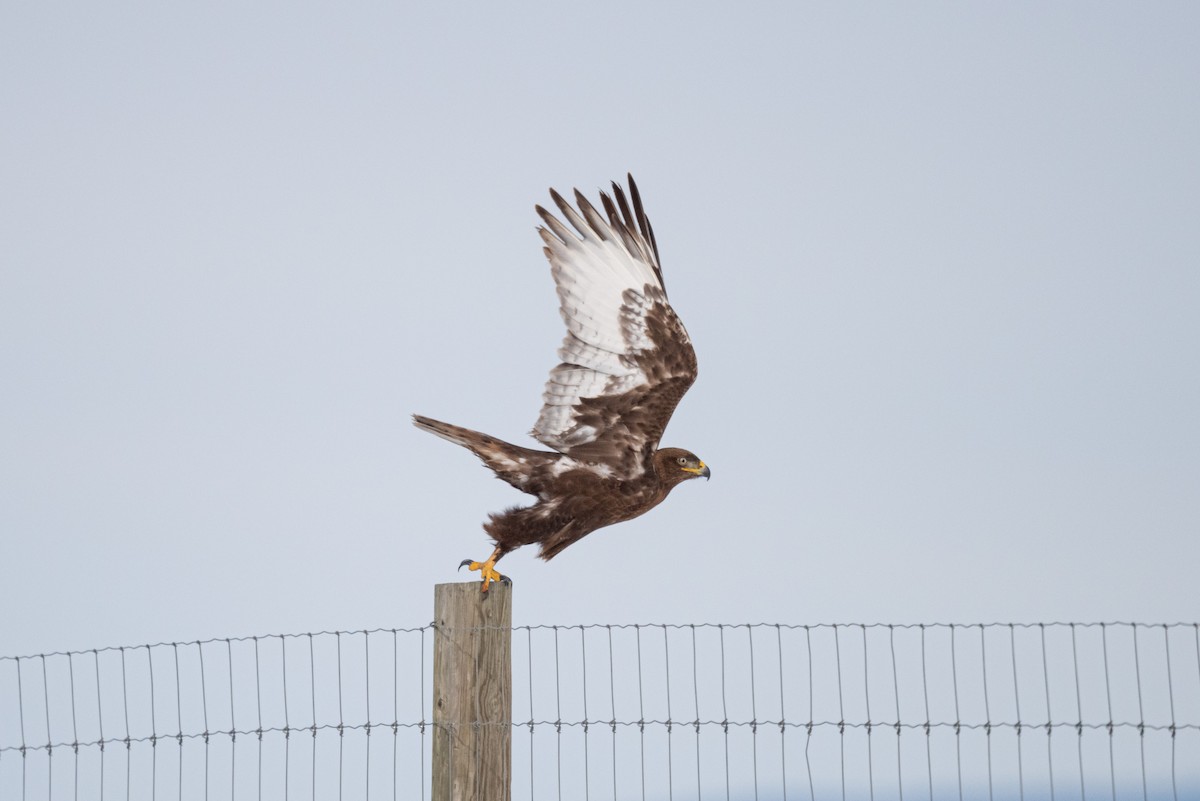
pixel 651 711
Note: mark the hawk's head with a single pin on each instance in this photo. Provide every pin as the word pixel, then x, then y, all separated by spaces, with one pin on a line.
pixel 674 465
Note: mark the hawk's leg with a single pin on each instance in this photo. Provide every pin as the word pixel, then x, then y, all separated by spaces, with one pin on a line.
pixel 488 569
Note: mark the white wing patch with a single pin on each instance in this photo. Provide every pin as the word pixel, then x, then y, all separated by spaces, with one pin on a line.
pixel 607 283
pixel 566 463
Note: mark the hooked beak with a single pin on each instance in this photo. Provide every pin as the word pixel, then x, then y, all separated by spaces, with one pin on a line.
pixel 702 470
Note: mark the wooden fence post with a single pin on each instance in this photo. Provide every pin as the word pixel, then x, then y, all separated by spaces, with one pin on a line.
pixel 472 693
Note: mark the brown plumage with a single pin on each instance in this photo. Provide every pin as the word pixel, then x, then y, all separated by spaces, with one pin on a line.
pixel 626 363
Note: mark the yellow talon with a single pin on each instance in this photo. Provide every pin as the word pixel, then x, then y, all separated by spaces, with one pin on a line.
pixel 487 570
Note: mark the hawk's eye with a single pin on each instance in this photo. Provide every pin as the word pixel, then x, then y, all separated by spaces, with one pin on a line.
pixel 682 460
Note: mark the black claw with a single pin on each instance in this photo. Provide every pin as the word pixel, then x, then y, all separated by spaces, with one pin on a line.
pixel 505 580
pixel 464 563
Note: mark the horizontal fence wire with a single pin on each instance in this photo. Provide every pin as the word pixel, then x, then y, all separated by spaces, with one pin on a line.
pixel 325 715
pixel 618 711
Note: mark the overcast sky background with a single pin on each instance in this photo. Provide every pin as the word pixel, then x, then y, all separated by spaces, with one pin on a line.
pixel 941 265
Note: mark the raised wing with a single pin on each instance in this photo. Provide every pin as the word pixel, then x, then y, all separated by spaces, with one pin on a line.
pixel 627 359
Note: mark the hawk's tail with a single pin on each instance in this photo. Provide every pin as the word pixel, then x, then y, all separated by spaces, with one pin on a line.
pixel 456 434
pixel 510 462
pixel 498 454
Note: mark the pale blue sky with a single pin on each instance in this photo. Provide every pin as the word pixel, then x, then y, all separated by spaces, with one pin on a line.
pixel 941 265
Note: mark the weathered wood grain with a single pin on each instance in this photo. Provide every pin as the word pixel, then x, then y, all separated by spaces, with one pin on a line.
pixel 472 693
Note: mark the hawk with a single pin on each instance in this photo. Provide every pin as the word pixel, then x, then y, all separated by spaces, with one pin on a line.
pixel 626 363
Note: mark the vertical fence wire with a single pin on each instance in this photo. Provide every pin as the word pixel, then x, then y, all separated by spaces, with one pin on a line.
pixel 287 723
pixel 667 687
pixel 74 729
pixel 258 707
pixel 612 695
pixel 724 710
pixel 1078 712
pixel 1137 666
pixel 957 714
pixel 529 672
pixel 557 716
pixel 696 707
pixel 782 716
pixel 809 725
pixel 1171 701
pixel 927 725
pixel 1133 730
pixel 1112 765
pixel 753 709
pixel 896 695
pixel 1049 712
pixel 987 712
pixel 587 773
pixel 867 700
pixel 837 649
pixel 1012 646
pixel 641 712
pixel 179 720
